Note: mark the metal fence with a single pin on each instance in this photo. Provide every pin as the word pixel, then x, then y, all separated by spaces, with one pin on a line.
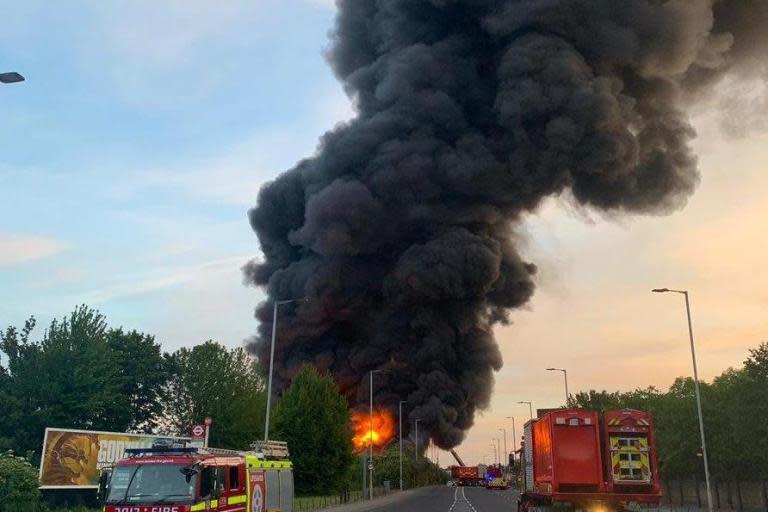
pixel 311 503
pixel 691 495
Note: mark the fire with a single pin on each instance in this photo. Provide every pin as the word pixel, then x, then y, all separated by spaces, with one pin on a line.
pixel 378 430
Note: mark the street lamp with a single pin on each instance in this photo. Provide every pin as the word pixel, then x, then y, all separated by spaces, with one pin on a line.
pixel 505 461
pixel 370 433
pixel 416 452
pixel 277 304
pixel 400 418
pixel 495 455
pixel 514 436
pixel 696 385
pixel 530 408
pixel 565 375
pixel 11 78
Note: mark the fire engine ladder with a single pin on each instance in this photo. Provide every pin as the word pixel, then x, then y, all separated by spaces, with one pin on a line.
pixel 272 450
pixel 458 459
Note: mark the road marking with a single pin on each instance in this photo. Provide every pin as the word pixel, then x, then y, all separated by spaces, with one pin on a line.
pixel 455 497
pixel 468 502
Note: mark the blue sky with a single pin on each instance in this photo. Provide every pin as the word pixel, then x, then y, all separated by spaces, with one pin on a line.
pixel 129 157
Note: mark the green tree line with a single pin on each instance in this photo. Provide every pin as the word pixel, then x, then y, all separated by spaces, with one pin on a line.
pixel 80 373
pixel 735 411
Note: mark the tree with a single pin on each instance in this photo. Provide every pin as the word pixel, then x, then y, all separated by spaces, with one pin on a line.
pixel 143 373
pixel 314 419
pixel 18 483
pixel 67 379
pixel 210 380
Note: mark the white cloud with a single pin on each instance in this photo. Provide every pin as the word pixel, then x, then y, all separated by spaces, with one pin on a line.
pixel 160 279
pixel 16 248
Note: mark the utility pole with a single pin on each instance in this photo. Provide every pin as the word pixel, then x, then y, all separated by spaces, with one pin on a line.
pixel 370 437
pixel 400 418
pixel 416 476
pixel 565 375
pixel 530 408
pixel 505 461
pixel 698 391
pixel 514 436
pixel 277 304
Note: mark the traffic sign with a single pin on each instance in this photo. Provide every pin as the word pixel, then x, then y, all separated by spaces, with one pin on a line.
pixel 198 431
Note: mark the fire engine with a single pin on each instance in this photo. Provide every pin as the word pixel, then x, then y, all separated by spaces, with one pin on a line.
pixel 176 478
pixel 574 457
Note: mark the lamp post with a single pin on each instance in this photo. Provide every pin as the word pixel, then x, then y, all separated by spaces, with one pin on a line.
pixel 11 78
pixel 400 418
pixel 505 460
pixel 277 304
pixel 565 375
pixel 514 436
pixel 530 408
pixel 416 452
pixel 370 435
pixel 696 385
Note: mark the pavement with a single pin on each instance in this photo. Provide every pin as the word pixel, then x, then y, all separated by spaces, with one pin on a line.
pixel 439 499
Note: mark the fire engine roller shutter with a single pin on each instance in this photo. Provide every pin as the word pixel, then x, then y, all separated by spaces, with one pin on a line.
pixel 286 490
pixel 273 489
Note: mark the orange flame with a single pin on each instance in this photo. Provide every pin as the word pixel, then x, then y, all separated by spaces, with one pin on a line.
pixel 378 432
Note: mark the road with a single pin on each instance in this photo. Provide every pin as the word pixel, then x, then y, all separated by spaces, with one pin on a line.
pixel 443 499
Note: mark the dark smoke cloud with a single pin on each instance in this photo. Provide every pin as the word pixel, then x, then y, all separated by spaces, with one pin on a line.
pixel 400 230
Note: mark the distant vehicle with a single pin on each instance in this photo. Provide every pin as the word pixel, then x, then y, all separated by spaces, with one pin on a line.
pixel 574 457
pixel 467 476
pixel 171 477
pixel 498 484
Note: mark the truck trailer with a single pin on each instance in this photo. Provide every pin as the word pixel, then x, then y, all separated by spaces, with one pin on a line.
pixel 575 457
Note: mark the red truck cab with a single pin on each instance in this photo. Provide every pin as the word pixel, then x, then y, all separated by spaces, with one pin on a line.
pixel 181 479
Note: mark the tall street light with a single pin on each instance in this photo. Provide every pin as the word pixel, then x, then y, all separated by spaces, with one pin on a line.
pixel 698 391
pixel 11 78
pixel 400 418
pixel 277 304
pixel 370 434
pixel 530 408
pixel 505 461
pixel 514 436
pixel 495 455
pixel 497 442
pixel 416 451
pixel 565 375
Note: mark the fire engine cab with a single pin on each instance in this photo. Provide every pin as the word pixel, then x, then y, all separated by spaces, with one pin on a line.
pixel 175 478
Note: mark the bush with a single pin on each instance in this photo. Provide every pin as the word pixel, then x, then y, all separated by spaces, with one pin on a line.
pixel 18 481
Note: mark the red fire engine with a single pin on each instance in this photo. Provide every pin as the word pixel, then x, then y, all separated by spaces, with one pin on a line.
pixel 184 479
pixel 573 456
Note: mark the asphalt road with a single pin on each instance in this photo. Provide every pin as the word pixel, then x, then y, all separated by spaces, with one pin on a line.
pixel 446 499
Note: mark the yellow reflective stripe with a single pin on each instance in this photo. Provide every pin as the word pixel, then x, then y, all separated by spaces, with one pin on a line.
pixel 234 500
pixel 201 505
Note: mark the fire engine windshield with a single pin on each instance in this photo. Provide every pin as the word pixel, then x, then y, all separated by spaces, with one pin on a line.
pixel 151 483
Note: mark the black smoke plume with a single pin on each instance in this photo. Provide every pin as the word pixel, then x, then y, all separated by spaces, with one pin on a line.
pixel 400 230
